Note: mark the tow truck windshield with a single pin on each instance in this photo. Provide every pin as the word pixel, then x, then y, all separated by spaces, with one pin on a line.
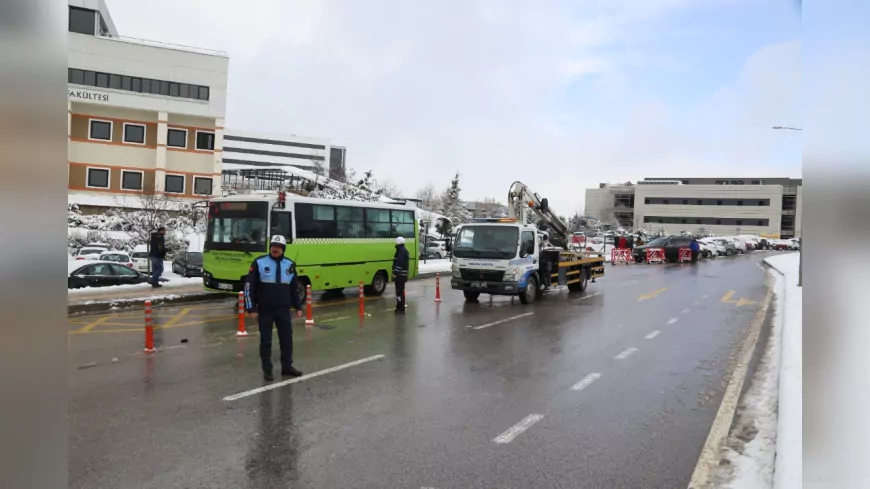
pixel 494 242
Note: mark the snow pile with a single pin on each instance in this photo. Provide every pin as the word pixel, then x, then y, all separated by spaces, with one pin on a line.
pixel 433 266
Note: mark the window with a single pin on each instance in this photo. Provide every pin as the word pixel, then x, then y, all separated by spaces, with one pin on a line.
pixel 123 271
pixel 173 89
pixel 281 225
pixel 350 222
pixel 134 133
pixel 98 178
pixel 174 184
pixel 719 221
pixel 760 223
pixel 100 130
pixel 665 201
pixel 115 81
pixel 402 224
pixel 699 202
pixel 202 185
pixel 176 138
pixel 756 182
pixel 90 78
pixel 740 222
pixel 76 76
pixel 683 221
pixel 203 93
pixel 136 84
pixel 146 85
pixel 103 80
pixel 315 221
pixel 697 221
pixel 685 202
pixel 155 87
pixel 718 202
pixel 762 203
pixel 739 202
pixel 164 88
pixel 183 90
pixel 378 223
pixel 131 180
pixel 126 83
pixel 527 242
pixel 204 140
pixel 82 21
pixel 646 201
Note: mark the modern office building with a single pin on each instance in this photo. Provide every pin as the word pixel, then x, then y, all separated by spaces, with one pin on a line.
pixel 251 150
pixel 145 117
pixel 768 207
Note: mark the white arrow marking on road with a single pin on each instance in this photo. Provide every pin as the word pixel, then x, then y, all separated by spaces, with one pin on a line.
pixel 300 379
pixel 517 429
pixel 500 321
pixel 579 386
pixel 652 335
pixel 625 354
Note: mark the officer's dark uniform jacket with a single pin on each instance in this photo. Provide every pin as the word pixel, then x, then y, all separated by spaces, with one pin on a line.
pixel 271 284
pixel 401 262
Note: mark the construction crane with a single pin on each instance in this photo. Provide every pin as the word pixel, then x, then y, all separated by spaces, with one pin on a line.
pixel 522 200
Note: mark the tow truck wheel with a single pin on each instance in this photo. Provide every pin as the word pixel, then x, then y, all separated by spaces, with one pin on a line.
pixel 470 295
pixel 531 293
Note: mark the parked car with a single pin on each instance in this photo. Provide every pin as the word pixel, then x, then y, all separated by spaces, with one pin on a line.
pixel 188 264
pixel 118 257
pixel 140 258
pixel 716 248
pixel 671 244
pixel 436 249
pixel 92 251
pixel 729 245
pixel 92 273
pixel 739 244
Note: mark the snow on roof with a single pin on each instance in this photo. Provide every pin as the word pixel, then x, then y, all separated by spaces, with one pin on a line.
pixel 292 170
pixel 196 243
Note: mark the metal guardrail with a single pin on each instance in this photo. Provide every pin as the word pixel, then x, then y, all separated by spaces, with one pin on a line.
pixel 166 45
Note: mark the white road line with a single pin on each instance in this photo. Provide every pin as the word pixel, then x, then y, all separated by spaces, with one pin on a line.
pixel 652 335
pixel 500 321
pixel 276 385
pixel 579 386
pixel 685 311
pixel 704 296
pixel 672 320
pixel 625 354
pixel 629 283
pixel 517 429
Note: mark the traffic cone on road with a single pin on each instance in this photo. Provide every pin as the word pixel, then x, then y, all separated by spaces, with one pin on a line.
pixel 309 318
pixel 149 329
pixel 437 287
pixel 241 331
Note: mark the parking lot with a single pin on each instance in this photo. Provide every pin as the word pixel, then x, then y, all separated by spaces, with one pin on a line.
pixel 613 387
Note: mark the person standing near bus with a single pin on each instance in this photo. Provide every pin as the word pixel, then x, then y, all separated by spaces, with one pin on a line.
pixel 401 261
pixel 157 253
pixel 270 292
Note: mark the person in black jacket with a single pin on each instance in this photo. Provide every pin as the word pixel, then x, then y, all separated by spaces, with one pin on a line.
pixel 157 253
pixel 401 261
pixel 270 292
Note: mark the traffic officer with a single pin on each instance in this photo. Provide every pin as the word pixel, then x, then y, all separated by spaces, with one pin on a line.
pixel 270 292
pixel 400 273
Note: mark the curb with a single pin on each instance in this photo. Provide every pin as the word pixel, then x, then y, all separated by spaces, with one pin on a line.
pixel 137 303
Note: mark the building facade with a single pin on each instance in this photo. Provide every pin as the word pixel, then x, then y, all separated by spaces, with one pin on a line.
pixel 145 117
pixel 250 150
pixel 766 207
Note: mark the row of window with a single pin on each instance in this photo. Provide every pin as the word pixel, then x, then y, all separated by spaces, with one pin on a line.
pixel 329 221
pixel 136 84
pixel 133 180
pixel 726 221
pixel 134 133
pixel 680 201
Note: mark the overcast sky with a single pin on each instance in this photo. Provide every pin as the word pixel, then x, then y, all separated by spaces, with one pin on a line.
pixel 561 95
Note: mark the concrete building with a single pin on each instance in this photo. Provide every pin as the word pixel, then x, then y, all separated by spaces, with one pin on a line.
pixel 768 207
pixel 249 150
pixel 145 117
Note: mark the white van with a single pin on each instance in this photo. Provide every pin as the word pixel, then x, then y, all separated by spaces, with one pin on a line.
pixel 140 258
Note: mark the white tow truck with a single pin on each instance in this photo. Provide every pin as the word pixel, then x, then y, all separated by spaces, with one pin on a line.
pixel 508 256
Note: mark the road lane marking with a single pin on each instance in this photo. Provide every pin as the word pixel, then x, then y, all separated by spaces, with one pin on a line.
pixel 500 321
pixel 708 460
pixel 579 386
pixel 704 296
pixel 739 303
pixel 685 311
pixel 276 385
pixel 630 283
pixel 672 320
pixel 625 354
pixel 652 335
pixel 652 294
pixel 517 429
pixel 175 318
pixel 93 324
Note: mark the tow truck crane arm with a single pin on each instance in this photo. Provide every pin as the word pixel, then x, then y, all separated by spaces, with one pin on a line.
pixel 521 199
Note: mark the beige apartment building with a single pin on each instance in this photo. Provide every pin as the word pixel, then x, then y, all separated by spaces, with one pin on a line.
pixel 768 207
pixel 145 117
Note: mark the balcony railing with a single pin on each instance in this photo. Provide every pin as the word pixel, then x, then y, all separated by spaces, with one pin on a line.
pixel 166 45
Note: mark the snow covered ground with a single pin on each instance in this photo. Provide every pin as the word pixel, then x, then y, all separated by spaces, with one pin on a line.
pixel 433 266
pixel 765 447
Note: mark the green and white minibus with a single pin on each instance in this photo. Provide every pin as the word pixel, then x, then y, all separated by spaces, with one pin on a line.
pixel 334 243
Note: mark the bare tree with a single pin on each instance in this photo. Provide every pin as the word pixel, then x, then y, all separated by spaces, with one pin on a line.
pixel 319 170
pixel 428 196
pixel 388 188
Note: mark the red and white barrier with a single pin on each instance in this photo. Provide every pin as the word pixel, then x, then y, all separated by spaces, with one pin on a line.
pixel 241 329
pixel 437 287
pixel 309 315
pixel 362 300
pixel 685 254
pixel 149 329
pixel 655 255
pixel 621 255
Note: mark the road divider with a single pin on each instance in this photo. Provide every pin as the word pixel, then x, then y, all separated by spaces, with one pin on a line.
pixel 517 429
pixel 276 385
pixel 149 329
pixel 501 321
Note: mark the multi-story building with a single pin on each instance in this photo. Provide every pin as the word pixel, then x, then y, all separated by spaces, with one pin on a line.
pixel 145 117
pixel 767 207
pixel 249 150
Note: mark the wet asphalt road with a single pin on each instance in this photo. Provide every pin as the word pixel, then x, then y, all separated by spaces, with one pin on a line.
pixel 454 402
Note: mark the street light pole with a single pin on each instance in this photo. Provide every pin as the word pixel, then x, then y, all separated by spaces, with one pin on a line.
pixel 801 249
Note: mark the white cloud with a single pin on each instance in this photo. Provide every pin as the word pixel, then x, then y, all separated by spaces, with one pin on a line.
pixel 418 90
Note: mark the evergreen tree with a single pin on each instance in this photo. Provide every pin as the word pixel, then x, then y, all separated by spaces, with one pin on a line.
pixel 451 204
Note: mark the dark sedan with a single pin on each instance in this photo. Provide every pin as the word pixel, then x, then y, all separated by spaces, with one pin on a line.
pixel 102 274
pixel 188 264
pixel 671 244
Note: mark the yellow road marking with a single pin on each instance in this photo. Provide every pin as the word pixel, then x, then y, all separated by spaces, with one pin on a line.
pixel 651 295
pixel 92 325
pixel 739 303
